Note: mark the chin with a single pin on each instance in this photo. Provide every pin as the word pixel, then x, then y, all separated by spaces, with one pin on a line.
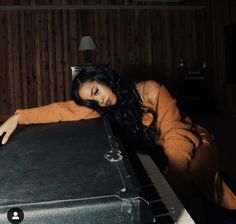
pixel 114 103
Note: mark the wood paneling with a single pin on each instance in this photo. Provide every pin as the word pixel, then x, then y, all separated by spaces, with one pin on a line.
pixel 4 89
pixel 38 47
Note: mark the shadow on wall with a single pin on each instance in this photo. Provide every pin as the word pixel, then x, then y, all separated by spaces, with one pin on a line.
pixel 139 73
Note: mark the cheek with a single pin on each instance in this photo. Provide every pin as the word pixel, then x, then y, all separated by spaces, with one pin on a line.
pixel 113 97
pixel 84 94
pixel 80 93
pixel 105 93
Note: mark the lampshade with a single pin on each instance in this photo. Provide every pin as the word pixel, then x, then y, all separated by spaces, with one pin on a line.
pixel 86 44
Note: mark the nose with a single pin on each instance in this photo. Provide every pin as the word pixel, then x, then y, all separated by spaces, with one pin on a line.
pixel 101 101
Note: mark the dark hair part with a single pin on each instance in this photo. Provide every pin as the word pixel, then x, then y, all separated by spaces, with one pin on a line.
pixel 128 110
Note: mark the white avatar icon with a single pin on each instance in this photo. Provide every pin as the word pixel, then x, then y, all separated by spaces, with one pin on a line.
pixel 15 216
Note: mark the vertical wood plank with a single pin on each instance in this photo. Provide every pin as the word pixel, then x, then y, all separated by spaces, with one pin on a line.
pixel 156 44
pixel 113 28
pixel 29 58
pixel 137 42
pixel 10 64
pixel 176 41
pixel 73 38
pixel 4 96
pixel 16 61
pixel 50 57
pixel 66 69
pixel 58 55
pixel 38 55
pixel 23 59
pixel 45 58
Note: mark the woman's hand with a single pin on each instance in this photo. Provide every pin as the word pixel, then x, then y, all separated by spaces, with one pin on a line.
pixel 9 127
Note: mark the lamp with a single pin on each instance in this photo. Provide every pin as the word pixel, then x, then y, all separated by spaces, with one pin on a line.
pixel 87 45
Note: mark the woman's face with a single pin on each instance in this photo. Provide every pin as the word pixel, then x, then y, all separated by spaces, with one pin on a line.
pixel 97 92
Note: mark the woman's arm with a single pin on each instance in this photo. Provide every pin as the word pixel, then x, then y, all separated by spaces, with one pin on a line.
pixel 177 138
pixel 55 112
pixel 9 127
pixel 175 128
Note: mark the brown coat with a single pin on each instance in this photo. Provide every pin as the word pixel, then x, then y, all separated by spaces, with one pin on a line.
pixel 177 136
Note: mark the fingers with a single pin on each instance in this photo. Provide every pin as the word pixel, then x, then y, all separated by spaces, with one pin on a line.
pixel 8 127
pixel 6 137
pixel 1 136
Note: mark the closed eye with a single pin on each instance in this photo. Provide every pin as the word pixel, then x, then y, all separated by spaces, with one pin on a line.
pixel 95 91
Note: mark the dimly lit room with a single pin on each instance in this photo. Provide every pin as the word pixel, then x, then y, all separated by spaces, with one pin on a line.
pixel 172 61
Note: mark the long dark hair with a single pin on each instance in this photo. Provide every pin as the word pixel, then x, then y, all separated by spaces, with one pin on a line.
pixel 128 110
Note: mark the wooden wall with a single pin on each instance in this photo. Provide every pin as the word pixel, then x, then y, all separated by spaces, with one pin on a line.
pixel 38 47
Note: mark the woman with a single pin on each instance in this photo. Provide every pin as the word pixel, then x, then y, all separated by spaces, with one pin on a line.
pixel 148 111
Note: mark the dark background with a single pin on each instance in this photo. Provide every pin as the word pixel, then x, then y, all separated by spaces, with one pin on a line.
pixel 38 46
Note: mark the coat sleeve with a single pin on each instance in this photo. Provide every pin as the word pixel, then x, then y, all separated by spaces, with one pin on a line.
pixel 176 136
pixel 55 112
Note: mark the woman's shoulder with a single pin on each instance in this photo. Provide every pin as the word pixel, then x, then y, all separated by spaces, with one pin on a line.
pixel 148 90
pixel 148 86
